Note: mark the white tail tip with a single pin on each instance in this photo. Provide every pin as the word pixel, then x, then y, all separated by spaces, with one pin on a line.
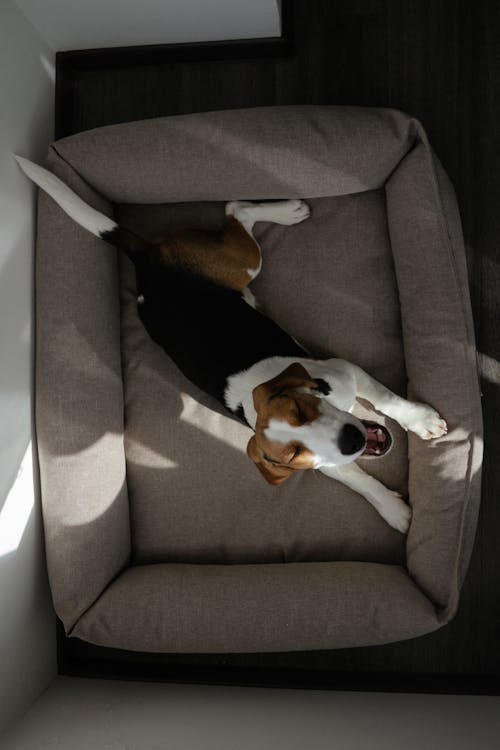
pixel 69 201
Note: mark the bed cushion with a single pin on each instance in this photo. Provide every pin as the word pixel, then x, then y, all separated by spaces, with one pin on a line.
pixel 189 546
pixel 194 495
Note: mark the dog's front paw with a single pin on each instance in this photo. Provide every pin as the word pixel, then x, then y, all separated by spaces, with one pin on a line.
pixel 425 422
pixel 395 511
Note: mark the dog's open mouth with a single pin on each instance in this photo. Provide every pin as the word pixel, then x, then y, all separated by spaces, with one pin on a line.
pixel 378 439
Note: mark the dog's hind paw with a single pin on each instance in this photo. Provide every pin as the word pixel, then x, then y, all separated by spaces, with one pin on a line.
pixel 289 212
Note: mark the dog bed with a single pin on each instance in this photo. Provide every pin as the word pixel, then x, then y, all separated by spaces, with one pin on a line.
pixel 160 534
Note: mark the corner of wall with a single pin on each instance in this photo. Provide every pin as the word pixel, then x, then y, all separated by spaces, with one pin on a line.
pixel 27 621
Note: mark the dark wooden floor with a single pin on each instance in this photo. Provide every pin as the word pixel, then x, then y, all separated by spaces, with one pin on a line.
pixel 439 61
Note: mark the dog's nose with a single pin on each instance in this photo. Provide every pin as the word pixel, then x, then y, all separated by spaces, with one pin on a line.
pixel 351 440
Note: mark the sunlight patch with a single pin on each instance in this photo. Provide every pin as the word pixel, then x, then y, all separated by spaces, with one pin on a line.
pixel 18 506
pixel 489 368
pixel 143 455
pixel 49 67
pixel 200 416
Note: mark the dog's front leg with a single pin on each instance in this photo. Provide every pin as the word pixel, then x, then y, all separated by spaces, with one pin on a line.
pixel 421 419
pixel 389 504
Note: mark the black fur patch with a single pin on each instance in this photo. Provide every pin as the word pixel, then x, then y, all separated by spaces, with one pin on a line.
pixel 322 386
pixel 209 331
pixel 127 241
pixel 240 414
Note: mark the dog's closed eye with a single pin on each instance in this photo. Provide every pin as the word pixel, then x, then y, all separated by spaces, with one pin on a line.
pixel 294 451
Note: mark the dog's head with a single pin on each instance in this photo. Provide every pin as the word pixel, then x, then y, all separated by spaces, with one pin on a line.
pixel 297 429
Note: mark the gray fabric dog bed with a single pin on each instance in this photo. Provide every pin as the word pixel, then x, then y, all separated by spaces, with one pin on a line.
pixel 160 533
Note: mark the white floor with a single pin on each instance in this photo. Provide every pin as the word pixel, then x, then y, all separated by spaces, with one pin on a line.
pixel 111 715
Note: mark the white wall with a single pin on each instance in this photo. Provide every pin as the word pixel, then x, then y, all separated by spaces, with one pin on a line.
pixel 89 714
pixel 74 24
pixel 27 639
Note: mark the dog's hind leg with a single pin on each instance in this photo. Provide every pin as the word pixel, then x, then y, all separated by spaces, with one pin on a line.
pixel 247 214
pixel 228 256
pixel 278 212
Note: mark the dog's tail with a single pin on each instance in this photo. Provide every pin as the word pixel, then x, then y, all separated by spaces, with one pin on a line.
pixel 94 221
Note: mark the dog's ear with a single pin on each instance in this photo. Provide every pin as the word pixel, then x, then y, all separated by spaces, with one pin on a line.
pixel 272 473
pixel 295 376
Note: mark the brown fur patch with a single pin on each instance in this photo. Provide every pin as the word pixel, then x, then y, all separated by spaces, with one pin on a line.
pixel 279 399
pixel 223 256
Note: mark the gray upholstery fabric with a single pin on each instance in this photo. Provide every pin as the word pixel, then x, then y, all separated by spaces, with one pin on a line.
pixel 266 152
pixel 377 275
pixel 79 405
pixel 231 608
pixel 437 331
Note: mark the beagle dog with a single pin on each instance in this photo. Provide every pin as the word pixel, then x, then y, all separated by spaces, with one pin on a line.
pixel 194 301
